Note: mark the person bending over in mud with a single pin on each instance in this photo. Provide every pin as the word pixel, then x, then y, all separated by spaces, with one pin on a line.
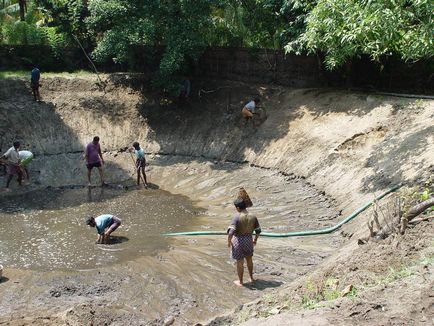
pixel 25 158
pixel 140 162
pixel 12 160
pixel 94 159
pixel 240 239
pixel 249 110
pixel 105 224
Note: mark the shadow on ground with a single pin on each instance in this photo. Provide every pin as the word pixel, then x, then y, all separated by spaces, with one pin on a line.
pixel 210 126
pixel 262 284
pixel 388 161
pixel 117 239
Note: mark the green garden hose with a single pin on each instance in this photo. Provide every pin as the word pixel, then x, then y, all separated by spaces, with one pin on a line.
pixel 299 233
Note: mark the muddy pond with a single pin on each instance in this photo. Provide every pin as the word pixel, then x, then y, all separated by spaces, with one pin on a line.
pixel 53 262
pixel 46 229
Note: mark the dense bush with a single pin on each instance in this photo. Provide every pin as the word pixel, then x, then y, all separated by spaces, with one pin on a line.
pixel 346 29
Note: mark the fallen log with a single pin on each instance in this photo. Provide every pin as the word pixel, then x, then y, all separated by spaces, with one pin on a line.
pixel 415 211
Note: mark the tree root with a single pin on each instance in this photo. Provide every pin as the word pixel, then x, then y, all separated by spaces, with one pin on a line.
pixel 394 222
pixel 415 211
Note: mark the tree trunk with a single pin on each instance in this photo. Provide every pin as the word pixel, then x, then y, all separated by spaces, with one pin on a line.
pixel 22 4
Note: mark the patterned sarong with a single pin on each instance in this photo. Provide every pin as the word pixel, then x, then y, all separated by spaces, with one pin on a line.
pixel 13 169
pixel 242 246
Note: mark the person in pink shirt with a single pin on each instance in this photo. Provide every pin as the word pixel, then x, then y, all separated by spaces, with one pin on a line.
pixel 94 159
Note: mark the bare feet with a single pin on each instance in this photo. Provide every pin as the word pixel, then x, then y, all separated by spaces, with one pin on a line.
pixel 252 279
pixel 238 283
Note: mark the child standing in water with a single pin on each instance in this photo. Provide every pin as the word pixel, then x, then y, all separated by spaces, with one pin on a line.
pixel 140 162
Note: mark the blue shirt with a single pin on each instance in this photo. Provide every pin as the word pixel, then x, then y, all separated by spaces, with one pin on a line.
pixel 251 106
pixel 102 222
pixel 36 75
pixel 140 153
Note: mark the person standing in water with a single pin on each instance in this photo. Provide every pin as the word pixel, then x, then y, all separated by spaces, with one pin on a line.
pixel 105 224
pixel 140 162
pixel 94 159
pixel 240 239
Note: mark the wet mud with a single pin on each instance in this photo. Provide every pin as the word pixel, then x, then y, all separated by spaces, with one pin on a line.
pixel 56 270
pixel 46 229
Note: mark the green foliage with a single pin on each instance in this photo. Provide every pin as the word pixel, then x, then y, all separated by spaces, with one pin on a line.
pixel 31 30
pixel 68 16
pixel 55 39
pixel 179 30
pixel 411 196
pixel 345 29
pixel 21 32
pixel 17 31
pixel 256 23
pixel 178 27
pixel 353 294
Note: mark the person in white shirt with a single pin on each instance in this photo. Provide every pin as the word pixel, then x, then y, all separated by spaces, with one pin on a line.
pixel 250 109
pixel 12 160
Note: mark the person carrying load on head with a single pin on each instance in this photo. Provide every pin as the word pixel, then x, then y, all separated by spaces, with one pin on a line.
pixel 34 83
pixel 242 193
pixel 240 239
pixel 105 224
pixel 25 158
pixel 12 160
pixel 140 162
pixel 249 110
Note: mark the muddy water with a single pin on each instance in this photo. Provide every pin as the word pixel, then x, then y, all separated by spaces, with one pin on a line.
pixel 143 278
pixel 46 230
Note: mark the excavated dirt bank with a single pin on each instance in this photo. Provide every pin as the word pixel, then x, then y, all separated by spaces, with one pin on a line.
pixel 347 145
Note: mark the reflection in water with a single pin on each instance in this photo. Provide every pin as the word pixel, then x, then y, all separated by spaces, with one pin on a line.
pixel 46 230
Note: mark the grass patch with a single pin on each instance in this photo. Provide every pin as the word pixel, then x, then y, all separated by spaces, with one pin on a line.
pixel 427 260
pixel 323 291
pixel 397 274
pixel 26 74
pixel 14 74
pixel 353 294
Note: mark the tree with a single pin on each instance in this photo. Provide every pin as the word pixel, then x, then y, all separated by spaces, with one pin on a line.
pixel 257 23
pixel 178 27
pixel 20 23
pixel 346 29
pixel 68 17
pixel 14 8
